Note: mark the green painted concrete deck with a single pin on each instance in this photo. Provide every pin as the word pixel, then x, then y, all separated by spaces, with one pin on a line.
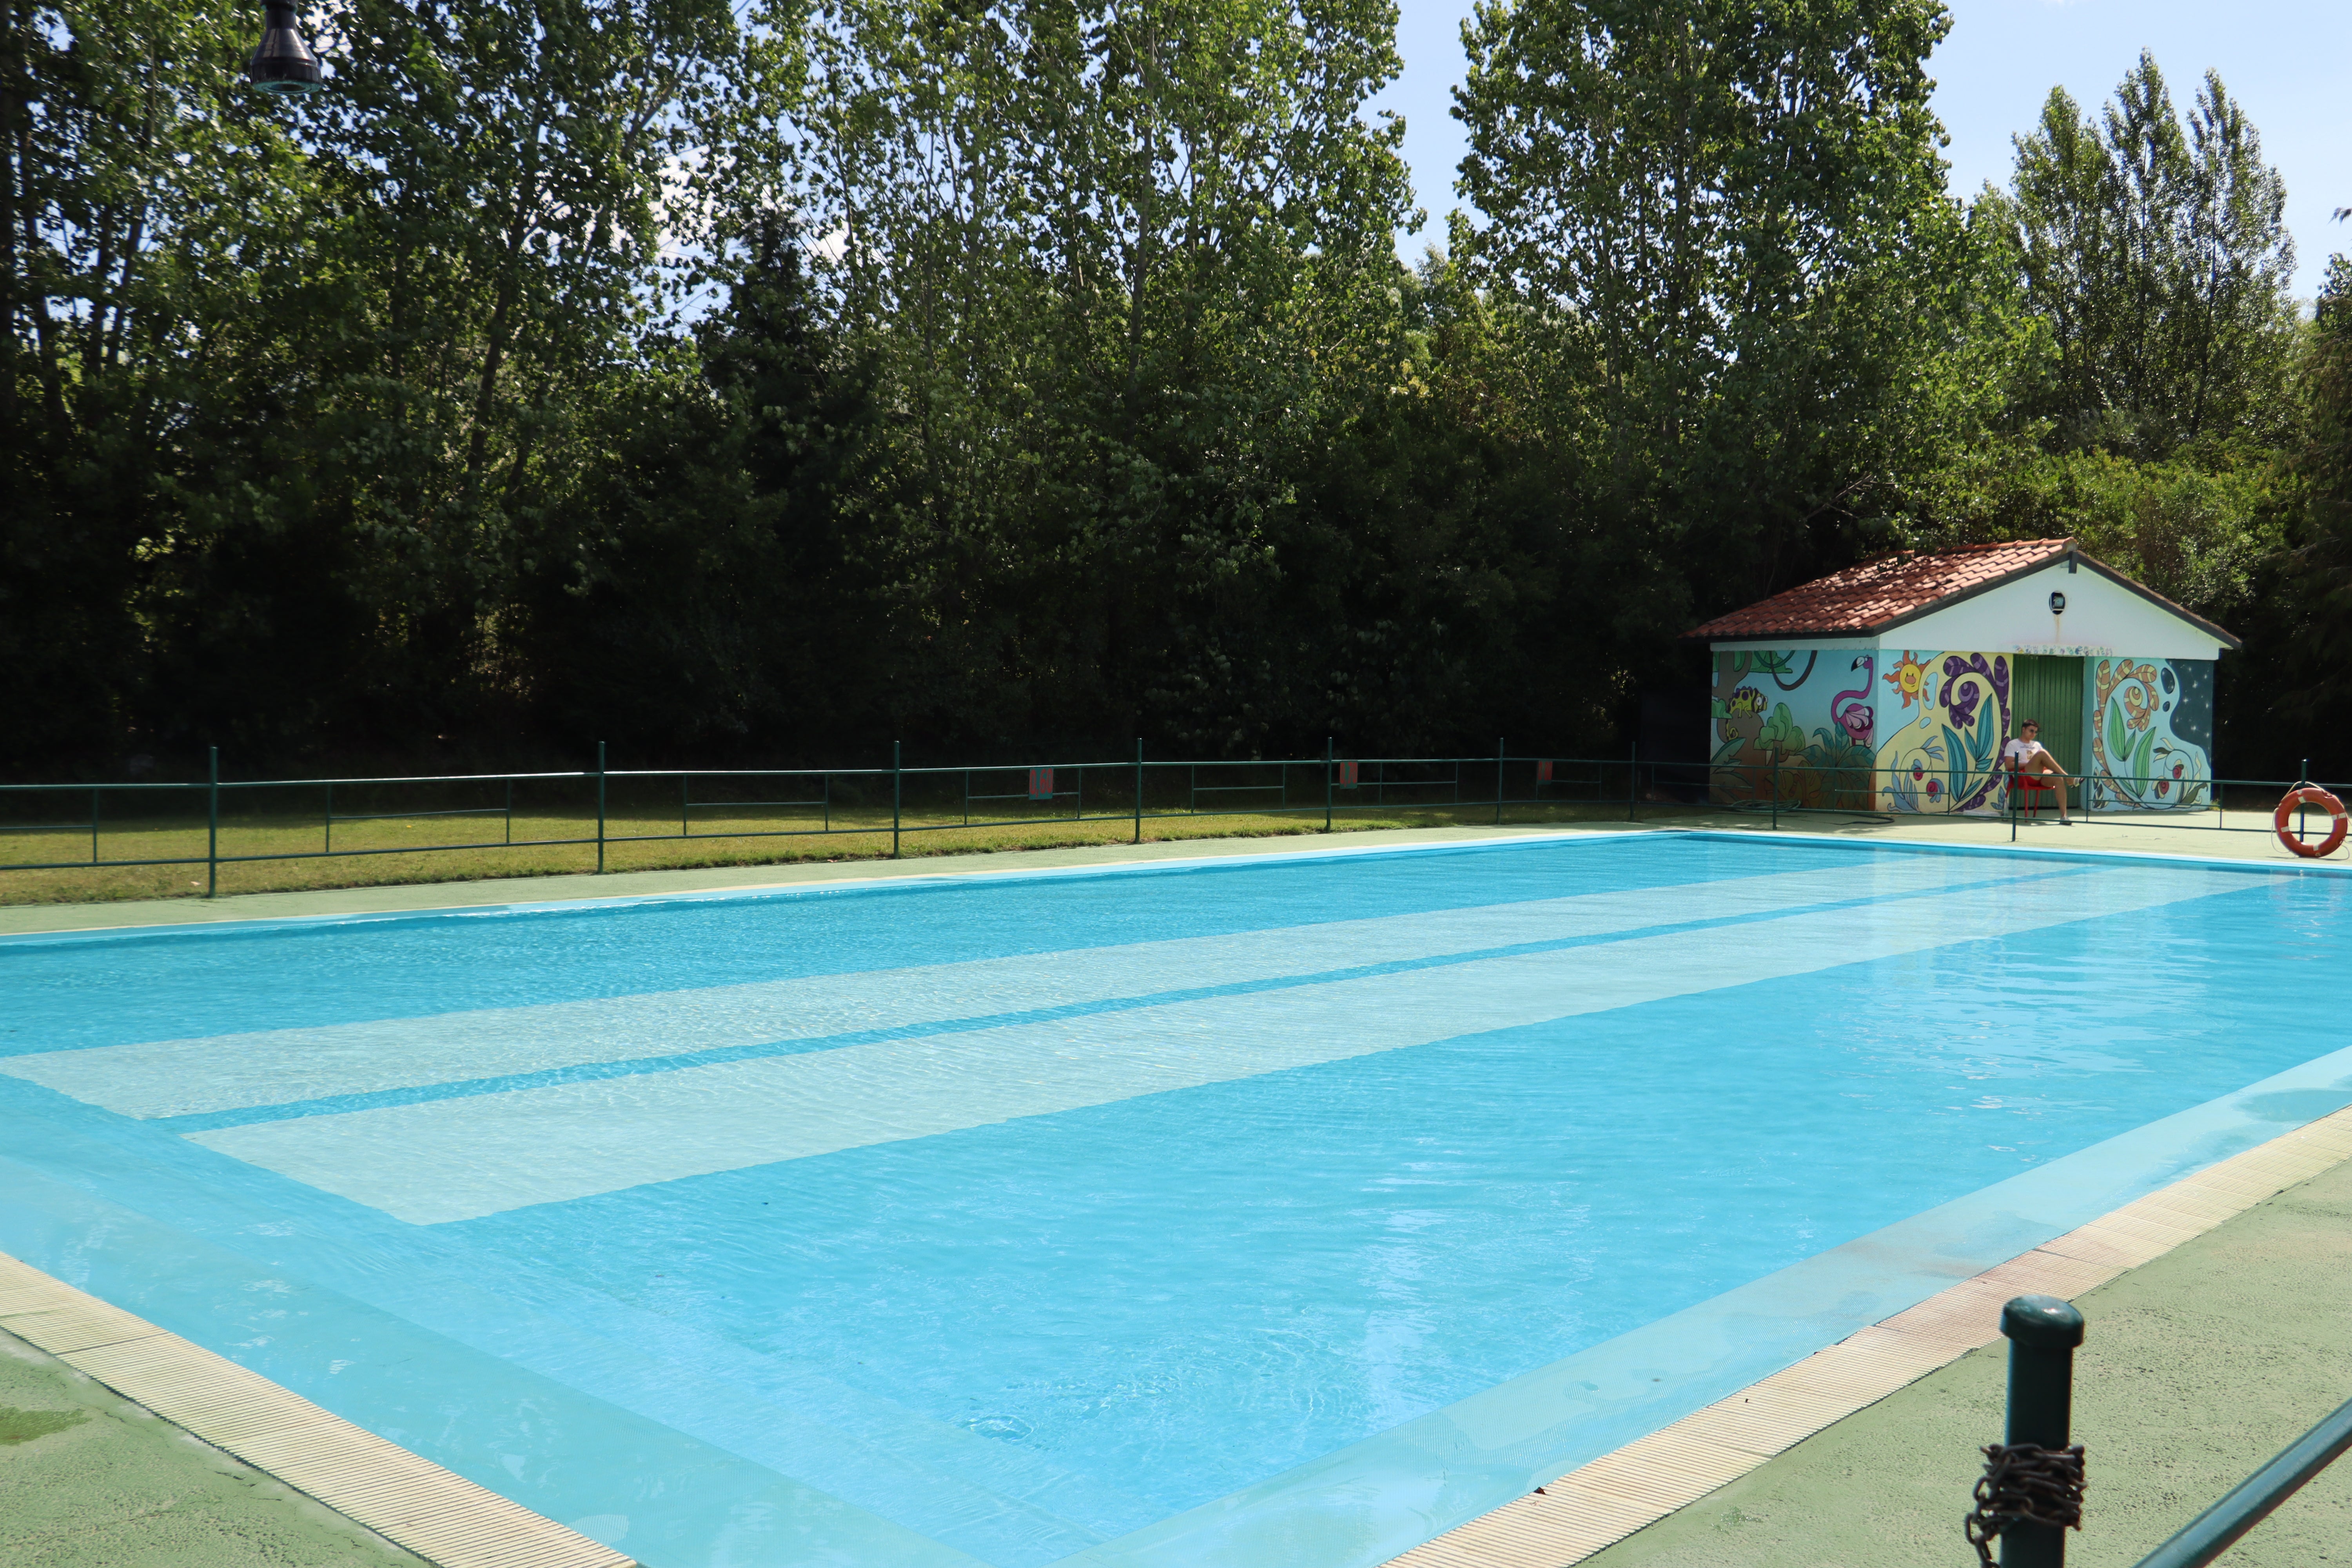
pixel 88 1479
pixel 2195 1369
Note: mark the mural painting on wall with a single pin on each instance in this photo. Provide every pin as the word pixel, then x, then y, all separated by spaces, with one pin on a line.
pixel 1804 715
pixel 2151 731
pixel 1942 751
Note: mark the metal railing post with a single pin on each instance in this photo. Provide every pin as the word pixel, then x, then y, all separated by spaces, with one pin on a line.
pixel 895 798
pixel 2250 1502
pixel 600 808
pixel 1138 789
pixel 1498 781
pixel 1327 784
pixel 1775 766
pixel 1633 780
pixel 211 821
pixel 2042 1333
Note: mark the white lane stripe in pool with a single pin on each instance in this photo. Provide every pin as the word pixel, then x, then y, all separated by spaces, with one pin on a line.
pixel 462 1159
pixel 285 1066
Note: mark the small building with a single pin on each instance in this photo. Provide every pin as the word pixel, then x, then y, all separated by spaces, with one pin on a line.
pixel 1890 685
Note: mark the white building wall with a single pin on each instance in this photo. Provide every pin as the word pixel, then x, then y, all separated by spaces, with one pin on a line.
pixel 2101 617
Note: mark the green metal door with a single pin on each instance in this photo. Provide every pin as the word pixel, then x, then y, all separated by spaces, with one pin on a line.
pixel 2050 691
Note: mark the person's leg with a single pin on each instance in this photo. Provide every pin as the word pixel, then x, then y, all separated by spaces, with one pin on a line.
pixel 2052 775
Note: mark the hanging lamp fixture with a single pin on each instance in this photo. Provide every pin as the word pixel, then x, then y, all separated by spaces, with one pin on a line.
pixel 283 63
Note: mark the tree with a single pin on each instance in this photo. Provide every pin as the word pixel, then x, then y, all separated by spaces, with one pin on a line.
pixel 703 583
pixel 2317 582
pixel 1728 225
pixel 1085 249
pixel 2158 254
pixel 149 220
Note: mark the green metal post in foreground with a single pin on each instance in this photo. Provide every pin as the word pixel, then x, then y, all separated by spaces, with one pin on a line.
pixel 1498 781
pixel 2042 1333
pixel 600 808
pixel 212 822
pixel 894 799
pixel 1633 779
pixel 1327 784
pixel 1138 789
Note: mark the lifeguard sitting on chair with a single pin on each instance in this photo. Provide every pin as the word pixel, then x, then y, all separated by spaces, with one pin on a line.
pixel 2034 769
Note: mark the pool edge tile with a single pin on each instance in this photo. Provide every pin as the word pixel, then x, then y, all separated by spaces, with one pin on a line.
pixel 407 1499
pixel 1630 1488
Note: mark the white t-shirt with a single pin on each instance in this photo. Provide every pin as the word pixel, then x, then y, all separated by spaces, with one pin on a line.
pixel 2022 749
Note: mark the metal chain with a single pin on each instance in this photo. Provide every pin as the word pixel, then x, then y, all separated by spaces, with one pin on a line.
pixel 2024 1484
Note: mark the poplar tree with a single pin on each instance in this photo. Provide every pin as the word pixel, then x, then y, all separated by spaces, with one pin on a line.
pixel 1727 221
pixel 2156 251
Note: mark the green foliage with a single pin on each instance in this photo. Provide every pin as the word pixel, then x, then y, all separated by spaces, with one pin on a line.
pixel 2198 533
pixel 2156 254
pixel 774 383
pixel 1726 235
pixel 2153 397
pixel 2316 590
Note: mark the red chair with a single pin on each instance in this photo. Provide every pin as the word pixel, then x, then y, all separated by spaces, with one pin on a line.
pixel 2035 786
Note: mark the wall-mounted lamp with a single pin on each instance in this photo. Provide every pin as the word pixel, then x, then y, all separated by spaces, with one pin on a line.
pixel 283 63
pixel 2057 603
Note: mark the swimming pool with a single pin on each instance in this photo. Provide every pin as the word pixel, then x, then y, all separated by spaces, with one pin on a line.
pixel 1280 1211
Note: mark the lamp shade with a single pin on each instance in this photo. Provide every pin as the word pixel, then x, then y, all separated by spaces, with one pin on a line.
pixel 283 63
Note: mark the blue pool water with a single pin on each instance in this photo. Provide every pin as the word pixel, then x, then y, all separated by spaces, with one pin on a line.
pixel 1284 1211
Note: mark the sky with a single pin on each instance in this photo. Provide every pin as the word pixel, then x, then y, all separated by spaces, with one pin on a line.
pixel 2287 62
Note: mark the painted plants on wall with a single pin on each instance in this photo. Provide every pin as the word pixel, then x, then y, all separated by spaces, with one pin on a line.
pixel 1921 731
pixel 1947 714
pixel 1803 717
pixel 2151 734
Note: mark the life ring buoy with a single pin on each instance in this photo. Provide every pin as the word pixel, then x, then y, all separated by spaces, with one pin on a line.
pixel 2309 795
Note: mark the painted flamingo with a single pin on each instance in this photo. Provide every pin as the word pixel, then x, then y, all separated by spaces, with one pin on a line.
pixel 1849 714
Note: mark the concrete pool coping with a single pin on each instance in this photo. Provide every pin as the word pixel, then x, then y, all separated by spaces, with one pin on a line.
pixel 1593 1507
pixel 408 1499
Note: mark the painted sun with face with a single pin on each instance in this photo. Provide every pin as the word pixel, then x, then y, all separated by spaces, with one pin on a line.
pixel 1909 678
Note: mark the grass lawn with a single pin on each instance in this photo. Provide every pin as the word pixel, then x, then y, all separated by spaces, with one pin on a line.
pixel 382 834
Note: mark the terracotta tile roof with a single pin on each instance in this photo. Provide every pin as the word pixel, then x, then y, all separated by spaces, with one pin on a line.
pixel 1861 599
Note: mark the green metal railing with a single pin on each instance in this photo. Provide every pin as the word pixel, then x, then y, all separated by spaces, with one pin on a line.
pixel 1795 789
pixel 2251 1501
pixel 599 807
pixel 2032 1494
pixel 217 822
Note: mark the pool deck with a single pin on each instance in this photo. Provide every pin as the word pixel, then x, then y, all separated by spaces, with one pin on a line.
pixel 89 1479
pixel 2195 1369
pixel 442 1517
pixel 2218 1331
pixel 2129 837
